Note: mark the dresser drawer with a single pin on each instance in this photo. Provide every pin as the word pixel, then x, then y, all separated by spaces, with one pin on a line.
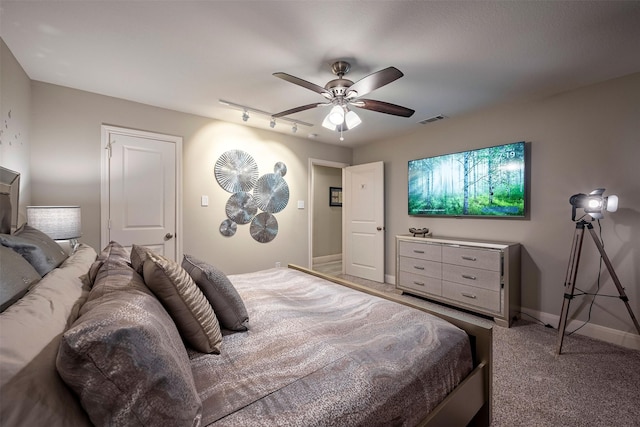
pixel 420 283
pixel 421 267
pixel 486 259
pixel 483 298
pixel 428 251
pixel 485 279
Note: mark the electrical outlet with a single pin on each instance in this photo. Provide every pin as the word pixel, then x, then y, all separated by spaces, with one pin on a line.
pixel 277 264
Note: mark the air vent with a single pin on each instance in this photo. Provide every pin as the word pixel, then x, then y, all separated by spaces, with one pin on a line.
pixel 432 119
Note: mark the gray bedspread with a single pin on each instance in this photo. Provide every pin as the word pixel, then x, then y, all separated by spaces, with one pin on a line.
pixel 319 354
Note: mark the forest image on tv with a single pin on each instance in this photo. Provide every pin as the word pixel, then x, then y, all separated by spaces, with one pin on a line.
pixel 485 182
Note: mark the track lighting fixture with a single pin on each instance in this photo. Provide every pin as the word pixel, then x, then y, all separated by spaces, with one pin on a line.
pixel 294 128
pixel 272 120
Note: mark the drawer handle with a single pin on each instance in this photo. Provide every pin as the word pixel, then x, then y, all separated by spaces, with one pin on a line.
pixel 417 267
pixel 419 283
pixel 417 251
pixel 469 295
pixel 469 258
pixel 466 276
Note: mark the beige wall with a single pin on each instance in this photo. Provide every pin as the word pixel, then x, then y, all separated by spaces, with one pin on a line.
pixel 327 220
pixel 15 114
pixel 66 169
pixel 579 141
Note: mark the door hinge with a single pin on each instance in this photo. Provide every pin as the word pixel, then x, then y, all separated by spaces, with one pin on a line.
pixel 109 146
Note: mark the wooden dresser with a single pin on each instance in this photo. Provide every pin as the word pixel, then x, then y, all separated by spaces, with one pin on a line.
pixel 479 276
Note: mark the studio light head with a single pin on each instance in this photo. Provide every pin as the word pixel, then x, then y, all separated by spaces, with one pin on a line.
pixel 593 203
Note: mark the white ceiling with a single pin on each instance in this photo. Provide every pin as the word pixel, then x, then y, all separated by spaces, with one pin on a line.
pixel 456 56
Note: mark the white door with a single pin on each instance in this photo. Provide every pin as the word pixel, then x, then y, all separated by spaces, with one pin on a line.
pixel 363 204
pixel 140 190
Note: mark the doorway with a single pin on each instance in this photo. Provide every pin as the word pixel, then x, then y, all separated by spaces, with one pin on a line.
pixel 325 220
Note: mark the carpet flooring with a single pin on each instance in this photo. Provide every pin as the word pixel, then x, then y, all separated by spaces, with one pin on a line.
pixel 592 383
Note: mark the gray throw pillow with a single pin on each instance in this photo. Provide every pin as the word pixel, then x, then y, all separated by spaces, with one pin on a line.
pixel 185 302
pixel 42 252
pixel 138 255
pixel 16 277
pixel 223 296
pixel 124 357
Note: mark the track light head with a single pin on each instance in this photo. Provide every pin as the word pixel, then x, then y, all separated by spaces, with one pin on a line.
pixel 245 116
pixel 294 128
pixel 272 123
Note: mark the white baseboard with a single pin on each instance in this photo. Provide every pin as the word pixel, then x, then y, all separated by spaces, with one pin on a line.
pixel 389 279
pixel 613 336
pixel 327 258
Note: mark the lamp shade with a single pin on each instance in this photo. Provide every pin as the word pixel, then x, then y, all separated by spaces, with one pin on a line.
pixel 57 222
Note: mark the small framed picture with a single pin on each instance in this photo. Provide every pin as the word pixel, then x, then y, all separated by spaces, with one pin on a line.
pixel 335 196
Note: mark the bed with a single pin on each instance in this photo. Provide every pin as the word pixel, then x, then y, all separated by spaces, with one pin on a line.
pixel 128 338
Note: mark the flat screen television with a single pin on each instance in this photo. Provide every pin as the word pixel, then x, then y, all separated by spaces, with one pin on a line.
pixel 486 182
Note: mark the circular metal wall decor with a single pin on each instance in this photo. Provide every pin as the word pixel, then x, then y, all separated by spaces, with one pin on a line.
pixel 280 169
pixel 236 171
pixel 271 193
pixel 264 227
pixel 228 228
pixel 241 207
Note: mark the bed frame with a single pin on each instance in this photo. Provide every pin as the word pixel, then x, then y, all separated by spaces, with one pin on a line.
pixel 469 404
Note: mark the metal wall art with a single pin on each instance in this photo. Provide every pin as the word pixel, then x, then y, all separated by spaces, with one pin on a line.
pixel 236 172
pixel 271 193
pixel 264 227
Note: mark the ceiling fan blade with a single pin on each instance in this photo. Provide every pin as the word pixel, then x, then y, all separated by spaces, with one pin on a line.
pixel 383 107
pixel 305 84
pixel 374 81
pixel 298 109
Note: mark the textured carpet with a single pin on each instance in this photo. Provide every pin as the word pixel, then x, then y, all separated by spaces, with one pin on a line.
pixel 592 383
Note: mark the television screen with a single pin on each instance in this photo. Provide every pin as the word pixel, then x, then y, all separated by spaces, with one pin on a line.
pixel 487 182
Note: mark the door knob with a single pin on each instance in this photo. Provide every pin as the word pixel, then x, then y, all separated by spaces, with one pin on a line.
pixel 168 236
pixel 379 228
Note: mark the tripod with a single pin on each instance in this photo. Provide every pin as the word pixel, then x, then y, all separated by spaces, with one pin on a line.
pixel 572 271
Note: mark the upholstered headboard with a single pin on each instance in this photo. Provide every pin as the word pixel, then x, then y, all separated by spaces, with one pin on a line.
pixel 9 200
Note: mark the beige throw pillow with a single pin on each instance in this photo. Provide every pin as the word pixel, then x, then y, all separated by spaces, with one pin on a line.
pixel 185 302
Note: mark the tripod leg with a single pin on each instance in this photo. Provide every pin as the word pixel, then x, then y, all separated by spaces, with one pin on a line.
pixel 613 275
pixel 570 281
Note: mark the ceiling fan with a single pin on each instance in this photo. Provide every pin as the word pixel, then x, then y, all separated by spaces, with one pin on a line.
pixel 342 93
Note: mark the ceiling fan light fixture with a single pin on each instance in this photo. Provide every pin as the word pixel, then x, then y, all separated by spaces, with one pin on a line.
pixel 336 115
pixel 326 123
pixel 351 119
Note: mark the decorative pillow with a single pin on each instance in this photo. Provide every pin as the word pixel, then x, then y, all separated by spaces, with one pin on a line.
pixel 126 361
pixel 124 356
pixel 185 302
pixel 31 391
pixel 138 255
pixel 16 277
pixel 112 272
pixel 42 252
pixel 225 300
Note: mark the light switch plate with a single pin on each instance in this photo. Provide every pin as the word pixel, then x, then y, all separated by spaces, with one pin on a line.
pixel 300 204
pixel 204 201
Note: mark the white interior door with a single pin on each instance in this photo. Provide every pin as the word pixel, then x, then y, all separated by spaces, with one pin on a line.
pixel 142 188
pixel 363 204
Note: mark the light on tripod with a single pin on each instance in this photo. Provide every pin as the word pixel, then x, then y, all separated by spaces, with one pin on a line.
pixel 593 203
